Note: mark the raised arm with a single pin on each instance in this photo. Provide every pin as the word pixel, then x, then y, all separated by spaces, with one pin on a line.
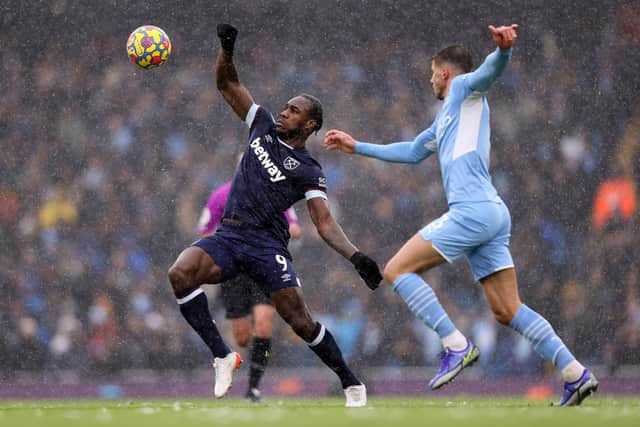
pixel 486 74
pixel 227 80
pixel 398 152
pixel 332 234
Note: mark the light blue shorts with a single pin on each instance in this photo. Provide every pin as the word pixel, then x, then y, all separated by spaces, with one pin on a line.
pixel 478 230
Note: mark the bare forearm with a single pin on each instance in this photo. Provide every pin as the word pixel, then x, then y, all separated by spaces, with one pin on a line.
pixel 228 84
pixel 225 70
pixel 333 235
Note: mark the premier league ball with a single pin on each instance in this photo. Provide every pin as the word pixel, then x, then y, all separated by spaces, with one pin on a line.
pixel 148 47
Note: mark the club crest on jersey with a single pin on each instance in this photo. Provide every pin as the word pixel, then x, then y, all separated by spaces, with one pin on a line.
pixel 290 163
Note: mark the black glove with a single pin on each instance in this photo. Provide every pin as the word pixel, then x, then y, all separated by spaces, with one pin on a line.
pixel 227 35
pixel 367 269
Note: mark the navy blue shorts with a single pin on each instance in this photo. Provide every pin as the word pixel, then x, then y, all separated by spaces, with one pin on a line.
pixel 240 295
pixel 238 248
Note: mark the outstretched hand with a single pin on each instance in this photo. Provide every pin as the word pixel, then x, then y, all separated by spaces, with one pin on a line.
pixel 504 36
pixel 338 140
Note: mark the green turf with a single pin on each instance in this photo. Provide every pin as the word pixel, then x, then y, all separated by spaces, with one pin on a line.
pixel 396 412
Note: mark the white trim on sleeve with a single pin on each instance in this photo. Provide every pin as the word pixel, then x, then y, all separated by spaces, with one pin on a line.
pixel 251 114
pixel 312 194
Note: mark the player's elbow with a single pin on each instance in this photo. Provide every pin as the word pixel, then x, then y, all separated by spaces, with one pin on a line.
pixel 223 82
pixel 415 157
pixel 229 87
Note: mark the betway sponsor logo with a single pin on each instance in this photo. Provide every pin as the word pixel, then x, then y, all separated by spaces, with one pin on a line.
pixel 265 160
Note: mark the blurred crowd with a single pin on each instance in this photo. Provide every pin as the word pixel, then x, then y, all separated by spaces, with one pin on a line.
pixel 105 168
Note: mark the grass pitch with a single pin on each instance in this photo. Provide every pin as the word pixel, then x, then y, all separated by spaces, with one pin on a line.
pixel 396 412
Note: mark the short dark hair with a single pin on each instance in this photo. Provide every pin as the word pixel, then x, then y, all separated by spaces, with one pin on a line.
pixel 315 112
pixel 457 55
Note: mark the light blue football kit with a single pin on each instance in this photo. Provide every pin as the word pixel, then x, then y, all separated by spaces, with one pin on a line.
pixel 477 224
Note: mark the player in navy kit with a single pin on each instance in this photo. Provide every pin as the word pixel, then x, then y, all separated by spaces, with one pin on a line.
pixel 246 305
pixel 275 172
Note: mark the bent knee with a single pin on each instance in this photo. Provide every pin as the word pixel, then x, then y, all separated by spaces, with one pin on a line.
pixel 181 281
pixel 392 271
pixel 263 328
pixel 177 275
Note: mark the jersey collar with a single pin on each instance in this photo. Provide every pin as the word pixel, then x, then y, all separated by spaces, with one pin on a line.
pixel 285 144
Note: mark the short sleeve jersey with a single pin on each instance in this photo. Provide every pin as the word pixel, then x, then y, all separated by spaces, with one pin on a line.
pixel 271 177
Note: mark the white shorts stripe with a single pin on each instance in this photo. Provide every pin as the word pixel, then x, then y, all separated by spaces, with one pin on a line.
pixel 504 267
pixel 446 258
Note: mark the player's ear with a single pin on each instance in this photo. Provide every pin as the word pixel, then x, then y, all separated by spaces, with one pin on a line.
pixel 310 125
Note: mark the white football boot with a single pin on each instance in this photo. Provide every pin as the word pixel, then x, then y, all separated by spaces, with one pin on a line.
pixel 224 368
pixel 356 396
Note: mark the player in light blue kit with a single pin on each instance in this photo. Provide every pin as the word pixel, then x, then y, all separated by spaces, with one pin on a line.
pixel 477 224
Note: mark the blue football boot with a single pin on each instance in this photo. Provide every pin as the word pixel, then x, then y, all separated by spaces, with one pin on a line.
pixel 574 393
pixel 452 363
